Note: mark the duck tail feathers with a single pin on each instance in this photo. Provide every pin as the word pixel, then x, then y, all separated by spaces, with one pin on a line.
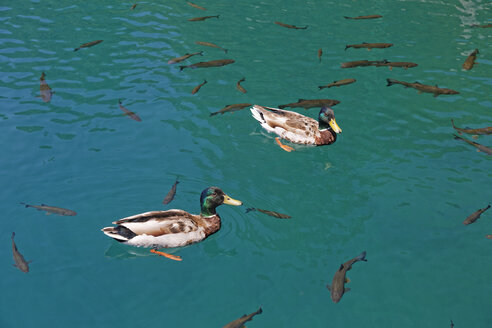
pixel 256 111
pixel 119 233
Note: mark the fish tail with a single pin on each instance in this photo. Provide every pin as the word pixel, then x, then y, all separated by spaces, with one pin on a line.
pixel 76 49
pixel 321 87
pixel 201 53
pixel 347 46
pixel 361 257
pixel 250 209
pixel 259 311
pixel 217 16
pixel 390 82
pixel 281 106
pixel 452 122
pixel 182 67
pixel 13 235
pixel 214 113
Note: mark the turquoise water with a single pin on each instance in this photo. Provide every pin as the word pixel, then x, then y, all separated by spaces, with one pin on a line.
pixel 395 183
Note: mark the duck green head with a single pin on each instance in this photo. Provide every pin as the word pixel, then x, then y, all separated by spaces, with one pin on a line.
pixel 213 197
pixel 327 120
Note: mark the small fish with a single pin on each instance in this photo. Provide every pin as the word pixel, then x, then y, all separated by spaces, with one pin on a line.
pixel 88 44
pixel 271 213
pixel 320 53
pixel 212 63
pixel 364 17
pixel 479 147
pixel 196 19
pixel 337 288
pixel 52 209
pixel 470 61
pixel 195 89
pixel 130 114
pixel 19 260
pixel 306 103
pixel 357 63
pixel 195 6
pixel 488 236
pixel 487 130
pixel 231 108
pixel 337 83
pixel 404 65
pixel 482 26
pixel 475 216
pixel 424 88
pixel 291 26
pixel 45 89
pixel 185 56
pixel 369 46
pixel 133 7
pixel 452 324
pixel 209 44
pixel 170 195
pixel 239 87
pixel 239 323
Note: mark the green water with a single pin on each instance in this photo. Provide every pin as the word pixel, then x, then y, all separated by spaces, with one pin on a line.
pixel 395 183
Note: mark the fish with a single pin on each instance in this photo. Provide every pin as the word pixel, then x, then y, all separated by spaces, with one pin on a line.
pixel 488 236
pixel 231 108
pixel 195 89
pixel 239 323
pixel 239 87
pixel 337 288
pixel 209 44
pixel 404 65
pixel 475 216
pixel 424 88
pixel 291 26
pixel 306 103
pixel 452 324
pixel 129 113
pixel 19 260
pixel 480 147
pixel 45 89
pixel 195 6
pixel 337 83
pixel 170 195
pixel 364 17
pixel 470 60
pixel 185 56
pixel 271 213
pixel 482 26
pixel 369 46
pixel 196 19
pixel 212 63
pixel 88 44
pixel 487 130
pixel 357 63
pixel 52 209
pixel 320 53
pixel 133 7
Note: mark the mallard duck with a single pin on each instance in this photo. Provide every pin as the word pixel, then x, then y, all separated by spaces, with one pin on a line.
pixel 298 128
pixel 172 228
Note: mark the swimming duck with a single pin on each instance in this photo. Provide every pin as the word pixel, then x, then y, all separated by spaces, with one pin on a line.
pixel 298 128
pixel 172 228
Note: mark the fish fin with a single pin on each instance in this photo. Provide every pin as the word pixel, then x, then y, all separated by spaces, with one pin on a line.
pixel 341 267
pixel 391 68
pixel 301 100
pixel 329 287
pixel 347 280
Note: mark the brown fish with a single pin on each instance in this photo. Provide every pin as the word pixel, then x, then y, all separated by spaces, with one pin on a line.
pixel 52 209
pixel 19 260
pixel 487 130
pixel 320 53
pixel 231 108
pixel 196 19
pixel 479 147
pixel 212 63
pixel 364 17
pixel 404 65
pixel 337 288
pixel 337 83
pixel 88 44
pixel 424 88
pixel 470 61
pixel 475 216
pixel 45 89
pixel 482 26
pixel 357 63
pixel 306 103
pixel 170 195
pixel 369 46
pixel 239 323
pixel 185 56
pixel 195 6
pixel 130 114
pixel 195 89
pixel 271 213
pixel 291 26
pixel 488 236
pixel 133 7
pixel 239 86
pixel 209 44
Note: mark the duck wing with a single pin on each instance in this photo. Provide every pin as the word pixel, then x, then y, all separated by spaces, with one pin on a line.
pixel 289 125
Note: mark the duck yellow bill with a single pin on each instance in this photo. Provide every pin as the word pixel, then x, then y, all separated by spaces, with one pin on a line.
pixel 229 201
pixel 335 126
